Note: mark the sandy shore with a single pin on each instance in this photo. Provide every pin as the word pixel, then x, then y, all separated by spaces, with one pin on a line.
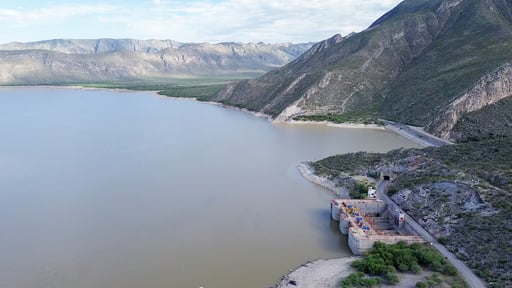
pixel 331 124
pixel 319 274
pixel 412 133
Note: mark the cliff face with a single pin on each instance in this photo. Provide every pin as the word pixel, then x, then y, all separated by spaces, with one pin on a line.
pixel 489 90
pixel 411 65
pixel 79 61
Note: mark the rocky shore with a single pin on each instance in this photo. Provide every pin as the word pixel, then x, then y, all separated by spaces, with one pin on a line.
pixel 308 172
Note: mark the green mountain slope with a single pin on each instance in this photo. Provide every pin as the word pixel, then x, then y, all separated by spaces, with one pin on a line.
pixel 475 40
pixel 412 65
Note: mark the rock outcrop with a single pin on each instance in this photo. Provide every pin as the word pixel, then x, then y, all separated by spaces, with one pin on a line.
pixel 490 89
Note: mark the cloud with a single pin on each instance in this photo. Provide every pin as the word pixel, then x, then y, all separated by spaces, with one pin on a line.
pixel 205 20
pixel 248 20
pixel 49 15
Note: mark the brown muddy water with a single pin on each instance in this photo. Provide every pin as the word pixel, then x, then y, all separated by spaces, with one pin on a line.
pixel 106 189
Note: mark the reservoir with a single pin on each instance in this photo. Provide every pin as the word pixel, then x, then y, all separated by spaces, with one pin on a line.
pixel 128 189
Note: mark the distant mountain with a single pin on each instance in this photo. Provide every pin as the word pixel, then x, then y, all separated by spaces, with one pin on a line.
pixel 62 61
pixel 440 64
pixel 93 46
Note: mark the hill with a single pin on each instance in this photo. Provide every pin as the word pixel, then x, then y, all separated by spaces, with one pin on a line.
pixel 459 193
pixel 426 63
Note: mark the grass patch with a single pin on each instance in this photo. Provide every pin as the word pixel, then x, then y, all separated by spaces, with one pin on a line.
pixel 202 89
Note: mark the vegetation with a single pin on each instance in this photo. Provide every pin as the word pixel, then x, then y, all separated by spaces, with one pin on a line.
pixel 359 279
pixel 441 52
pixel 200 92
pixel 341 118
pixel 477 42
pixel 202 89
pixel 386 260
pixel 352 163
pixel 436 280
pixel 493 121
pixel 360 191
pixel 465 188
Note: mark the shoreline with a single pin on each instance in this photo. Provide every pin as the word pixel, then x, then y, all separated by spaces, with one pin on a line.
pixel 322 273
pixel 257 114
pixel 411 133
pixel 331 124
pixel 307 172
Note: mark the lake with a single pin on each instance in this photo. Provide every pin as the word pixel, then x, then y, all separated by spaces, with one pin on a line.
pixel 129 189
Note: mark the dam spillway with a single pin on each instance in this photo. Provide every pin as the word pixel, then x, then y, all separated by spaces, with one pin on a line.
pixel 368 221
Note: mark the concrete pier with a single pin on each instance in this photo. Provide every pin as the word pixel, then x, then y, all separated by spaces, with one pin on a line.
pixel 369 221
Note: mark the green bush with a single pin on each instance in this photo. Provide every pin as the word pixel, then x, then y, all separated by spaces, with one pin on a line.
pixel 359 191
pixel 436 266
pixel 359 279
pixel 442 240
pixel 385 260
pixel 392 278
pixel 449 269
pixel 416 269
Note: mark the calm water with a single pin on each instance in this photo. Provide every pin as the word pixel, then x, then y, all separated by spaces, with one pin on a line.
pixel 106 189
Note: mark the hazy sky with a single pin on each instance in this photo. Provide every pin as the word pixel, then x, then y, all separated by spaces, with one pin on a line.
pixel 188 21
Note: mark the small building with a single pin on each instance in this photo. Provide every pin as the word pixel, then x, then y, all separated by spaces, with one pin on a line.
pixel 372 193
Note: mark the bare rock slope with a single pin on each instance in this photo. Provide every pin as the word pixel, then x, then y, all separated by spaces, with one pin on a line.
pixel 106 60
pixel 422 63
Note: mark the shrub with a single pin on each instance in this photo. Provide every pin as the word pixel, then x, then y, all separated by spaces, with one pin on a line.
pixel 436 266
pixel 416 269
pixel 359 279
pixel 442 240
pixel 449 269
pixel 392 278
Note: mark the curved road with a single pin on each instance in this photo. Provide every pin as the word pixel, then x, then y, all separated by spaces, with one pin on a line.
pixel 471 279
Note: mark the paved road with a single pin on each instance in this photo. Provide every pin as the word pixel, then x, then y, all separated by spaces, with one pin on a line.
pixel 415 134
pixel 471 279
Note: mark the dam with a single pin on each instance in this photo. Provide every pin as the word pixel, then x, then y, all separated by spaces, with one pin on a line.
pixel 371 220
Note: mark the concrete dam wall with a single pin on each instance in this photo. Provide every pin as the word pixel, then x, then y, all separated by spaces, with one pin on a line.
pixel 369 221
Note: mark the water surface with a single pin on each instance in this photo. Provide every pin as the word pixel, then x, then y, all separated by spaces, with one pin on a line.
pixel 106 189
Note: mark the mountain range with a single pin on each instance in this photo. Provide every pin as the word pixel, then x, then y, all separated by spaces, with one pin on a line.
pixel 71 61
pixel 444 65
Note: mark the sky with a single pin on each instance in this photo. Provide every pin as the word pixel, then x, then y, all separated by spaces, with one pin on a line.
pixel 214 21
